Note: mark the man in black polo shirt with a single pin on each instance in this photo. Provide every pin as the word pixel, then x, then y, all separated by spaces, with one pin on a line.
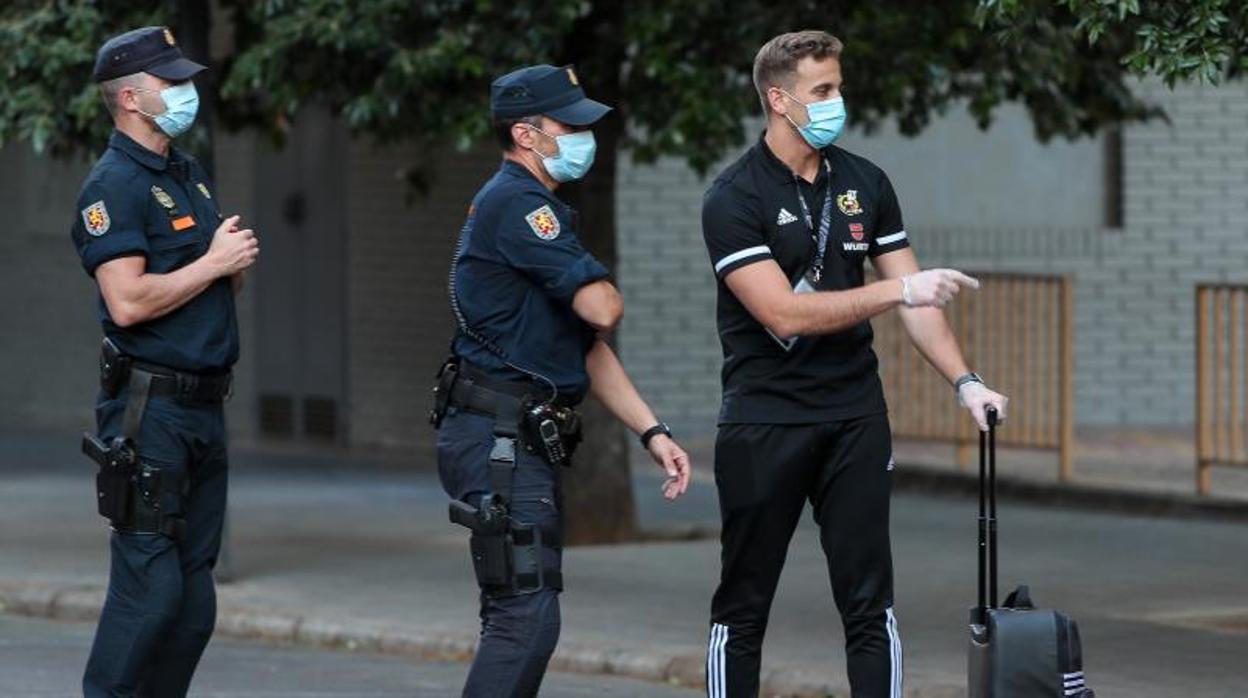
pixel 788 227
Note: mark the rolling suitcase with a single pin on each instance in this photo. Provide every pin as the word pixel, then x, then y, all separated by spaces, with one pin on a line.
pixel 1016 650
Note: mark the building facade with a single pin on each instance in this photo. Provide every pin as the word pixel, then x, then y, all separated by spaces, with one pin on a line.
pixel 345 319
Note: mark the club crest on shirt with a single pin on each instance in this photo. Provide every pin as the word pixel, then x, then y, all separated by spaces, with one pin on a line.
pixel 544 223
pixel 848 202
pixel 95 219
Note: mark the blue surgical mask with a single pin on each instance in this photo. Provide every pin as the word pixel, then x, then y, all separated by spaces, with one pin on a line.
pixel 825 121
pixel 181 106
pixel 576 155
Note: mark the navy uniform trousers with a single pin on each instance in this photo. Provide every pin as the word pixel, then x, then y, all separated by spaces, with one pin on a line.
pixel 161 604
pixel 518 633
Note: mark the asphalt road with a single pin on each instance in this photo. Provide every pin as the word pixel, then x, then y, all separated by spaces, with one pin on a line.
pixel 42 659
pixel 1161 602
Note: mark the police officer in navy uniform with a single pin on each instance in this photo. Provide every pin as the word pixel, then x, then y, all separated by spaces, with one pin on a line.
pixel 788 228
pixel 148 230
pixel 533 308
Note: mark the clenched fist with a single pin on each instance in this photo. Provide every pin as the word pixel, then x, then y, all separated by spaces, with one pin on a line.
pixel 233 250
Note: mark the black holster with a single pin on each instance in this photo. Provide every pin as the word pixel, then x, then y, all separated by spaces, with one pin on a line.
pixel 506 554
pixel 114 482
pixel 114 368
pixel 128 492
pixel 442 389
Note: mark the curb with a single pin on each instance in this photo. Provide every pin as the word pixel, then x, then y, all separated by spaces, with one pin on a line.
pixel 916 478
pixel 83 602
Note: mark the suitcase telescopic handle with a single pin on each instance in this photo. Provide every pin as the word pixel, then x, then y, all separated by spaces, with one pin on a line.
pixel 987 544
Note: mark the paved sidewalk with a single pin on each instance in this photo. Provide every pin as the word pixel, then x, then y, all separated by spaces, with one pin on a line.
pixel 336 549
pixel 1156 462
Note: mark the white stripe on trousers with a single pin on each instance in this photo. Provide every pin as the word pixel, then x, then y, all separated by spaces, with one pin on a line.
pixel 894 644
pixel 716 685
pixel 716 674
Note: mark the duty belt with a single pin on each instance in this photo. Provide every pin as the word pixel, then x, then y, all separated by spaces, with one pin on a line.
pixel 476 392
pixel 198 387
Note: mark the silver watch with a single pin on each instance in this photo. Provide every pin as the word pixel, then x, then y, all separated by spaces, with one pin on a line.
pixel 962 380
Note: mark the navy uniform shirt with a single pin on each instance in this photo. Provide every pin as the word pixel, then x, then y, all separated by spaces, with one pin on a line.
pixel 519 264
pixel 137 202
pixel 753 212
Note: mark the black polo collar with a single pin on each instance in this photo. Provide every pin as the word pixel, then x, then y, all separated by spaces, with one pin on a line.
pixel 147 158
pixel 776 167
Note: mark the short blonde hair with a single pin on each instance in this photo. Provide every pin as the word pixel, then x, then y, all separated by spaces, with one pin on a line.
pixel 776 62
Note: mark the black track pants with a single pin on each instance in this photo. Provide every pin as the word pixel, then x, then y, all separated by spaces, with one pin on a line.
pixel 765 474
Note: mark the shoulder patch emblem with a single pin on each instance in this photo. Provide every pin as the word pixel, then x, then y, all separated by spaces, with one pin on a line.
pixel 544 223
pixel 163 198
pixel 848 202
pixel 95 218
pixel 203 189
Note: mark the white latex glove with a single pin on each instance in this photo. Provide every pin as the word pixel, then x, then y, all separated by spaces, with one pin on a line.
pixel 977 398
pixel 934 288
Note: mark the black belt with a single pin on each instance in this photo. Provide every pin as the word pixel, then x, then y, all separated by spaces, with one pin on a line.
pixel 198 387
pixel 480 393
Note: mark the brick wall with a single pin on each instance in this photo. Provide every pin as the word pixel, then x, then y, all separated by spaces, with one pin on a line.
pixel 667 339
pixel 1186 221
pixel 399 255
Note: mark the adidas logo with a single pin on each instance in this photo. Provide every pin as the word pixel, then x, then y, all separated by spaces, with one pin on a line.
pixel 785 217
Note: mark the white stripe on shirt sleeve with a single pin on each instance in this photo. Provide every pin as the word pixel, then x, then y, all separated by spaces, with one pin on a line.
pixel 737 256
pixel 890 239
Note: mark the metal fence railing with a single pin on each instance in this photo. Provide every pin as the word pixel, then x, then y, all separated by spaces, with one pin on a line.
pixel 1221 400
pixel 1018 331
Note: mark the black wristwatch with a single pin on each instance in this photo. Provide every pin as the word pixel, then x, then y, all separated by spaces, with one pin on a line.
pixel 965 378
pixel 654 431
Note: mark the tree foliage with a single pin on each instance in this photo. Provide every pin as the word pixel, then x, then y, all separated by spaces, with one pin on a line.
pixel 47 50
pixel 678 70
pixel 1175 39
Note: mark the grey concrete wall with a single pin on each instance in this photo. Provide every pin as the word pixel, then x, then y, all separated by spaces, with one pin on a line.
pixel 236 175
pixel 955 175
pixel 398 252
pixel 48 313
pixel 49 352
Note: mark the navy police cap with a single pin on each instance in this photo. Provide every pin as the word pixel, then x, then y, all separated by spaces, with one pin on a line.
pixel 147 50
pixel 544 90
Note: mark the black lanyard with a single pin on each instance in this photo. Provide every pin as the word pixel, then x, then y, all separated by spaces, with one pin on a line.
pixel 825 222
